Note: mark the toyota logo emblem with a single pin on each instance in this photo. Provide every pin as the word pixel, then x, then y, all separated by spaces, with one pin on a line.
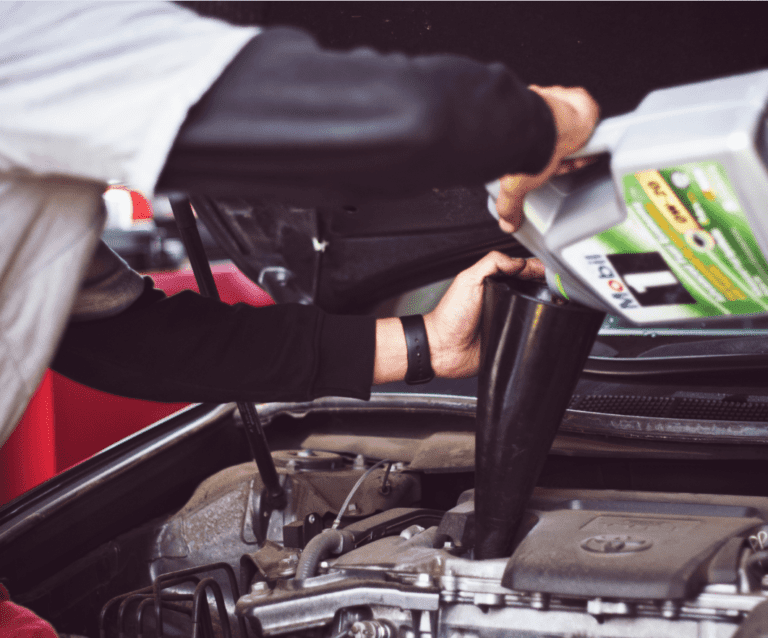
pixel 613 544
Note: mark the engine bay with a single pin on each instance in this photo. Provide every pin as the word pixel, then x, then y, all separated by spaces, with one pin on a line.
pixel 614 541
pixel 589 562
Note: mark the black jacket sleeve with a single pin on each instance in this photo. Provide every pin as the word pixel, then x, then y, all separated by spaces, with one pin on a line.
pixel 288 115
pixel 191 348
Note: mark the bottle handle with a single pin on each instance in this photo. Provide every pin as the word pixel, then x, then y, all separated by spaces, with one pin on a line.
pixel 605 138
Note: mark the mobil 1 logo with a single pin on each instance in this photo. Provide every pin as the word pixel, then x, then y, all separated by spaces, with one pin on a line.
pixel 609 282
pixel 649 279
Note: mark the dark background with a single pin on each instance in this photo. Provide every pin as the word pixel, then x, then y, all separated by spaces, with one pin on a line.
pixel 618 50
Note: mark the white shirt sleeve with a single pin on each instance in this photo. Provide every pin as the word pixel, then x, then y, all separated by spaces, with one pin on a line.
pixel 99 90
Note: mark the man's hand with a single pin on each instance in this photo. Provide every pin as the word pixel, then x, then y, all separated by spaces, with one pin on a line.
pixel 575 114
pixel 453 328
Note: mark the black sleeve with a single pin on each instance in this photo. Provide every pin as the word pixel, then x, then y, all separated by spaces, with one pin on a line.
pixel 191 348
pixel 286 114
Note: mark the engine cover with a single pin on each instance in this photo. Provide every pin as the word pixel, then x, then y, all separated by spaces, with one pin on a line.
pixel 627 549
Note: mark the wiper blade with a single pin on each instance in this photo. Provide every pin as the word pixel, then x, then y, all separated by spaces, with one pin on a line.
pixel 676 365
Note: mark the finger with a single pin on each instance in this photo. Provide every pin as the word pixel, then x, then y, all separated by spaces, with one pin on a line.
pixel 530 268
pixel 509 203
pixel 570 165
pixel 510 211
pixel 533 269
pixel 494 263
pixel 506 226
pixel 506 264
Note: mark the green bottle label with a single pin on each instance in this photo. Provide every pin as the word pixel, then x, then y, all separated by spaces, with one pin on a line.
pixel 685 251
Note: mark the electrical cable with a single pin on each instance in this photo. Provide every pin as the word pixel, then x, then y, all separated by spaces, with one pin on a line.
pixel 353 490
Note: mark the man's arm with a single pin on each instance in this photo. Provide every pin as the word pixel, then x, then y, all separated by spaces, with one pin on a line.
pixel 191 348
pixel 286 114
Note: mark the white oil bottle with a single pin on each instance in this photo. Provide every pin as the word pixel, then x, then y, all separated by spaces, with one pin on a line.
pixel 671 225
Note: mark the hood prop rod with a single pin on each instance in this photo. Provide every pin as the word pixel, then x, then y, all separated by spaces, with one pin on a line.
pixel 257 441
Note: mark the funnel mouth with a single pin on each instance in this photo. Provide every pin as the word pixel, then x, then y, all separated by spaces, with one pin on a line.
pixel 533 290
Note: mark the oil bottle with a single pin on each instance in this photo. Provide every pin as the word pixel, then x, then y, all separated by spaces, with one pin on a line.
pixel 670 224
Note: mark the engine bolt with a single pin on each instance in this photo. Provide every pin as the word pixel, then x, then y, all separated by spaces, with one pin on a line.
pixel 371 629
pixel 539 601
pixel 669 609
pixel 410 532
pixel 423 580
pixel 260 588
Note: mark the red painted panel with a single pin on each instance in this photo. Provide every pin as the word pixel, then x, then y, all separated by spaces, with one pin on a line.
pixel 67 422
pixel 29 456
pixel 232 284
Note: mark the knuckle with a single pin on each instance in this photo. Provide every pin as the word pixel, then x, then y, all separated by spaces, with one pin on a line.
pixel 510 182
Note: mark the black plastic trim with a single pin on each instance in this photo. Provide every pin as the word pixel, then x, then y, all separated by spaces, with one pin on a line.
pixel 666 366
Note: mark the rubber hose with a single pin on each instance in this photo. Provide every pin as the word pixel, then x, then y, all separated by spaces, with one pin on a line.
pixel 329 541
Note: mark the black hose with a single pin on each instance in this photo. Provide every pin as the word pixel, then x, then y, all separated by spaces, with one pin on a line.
pixel 329 541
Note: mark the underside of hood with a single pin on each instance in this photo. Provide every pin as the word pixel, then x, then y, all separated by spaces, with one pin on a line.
pixel 347 258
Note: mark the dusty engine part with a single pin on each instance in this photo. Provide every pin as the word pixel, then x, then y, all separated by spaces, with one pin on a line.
pixel 603 564
pixel 221 526
pixel 308 460
pixel 598 563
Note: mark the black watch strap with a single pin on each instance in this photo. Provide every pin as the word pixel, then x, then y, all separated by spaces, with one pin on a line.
pixel 419 364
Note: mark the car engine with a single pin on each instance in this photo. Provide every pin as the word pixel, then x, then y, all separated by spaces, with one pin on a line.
pixel 588 563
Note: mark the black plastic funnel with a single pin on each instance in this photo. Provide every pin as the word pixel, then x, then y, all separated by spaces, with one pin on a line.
pixel 533 350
